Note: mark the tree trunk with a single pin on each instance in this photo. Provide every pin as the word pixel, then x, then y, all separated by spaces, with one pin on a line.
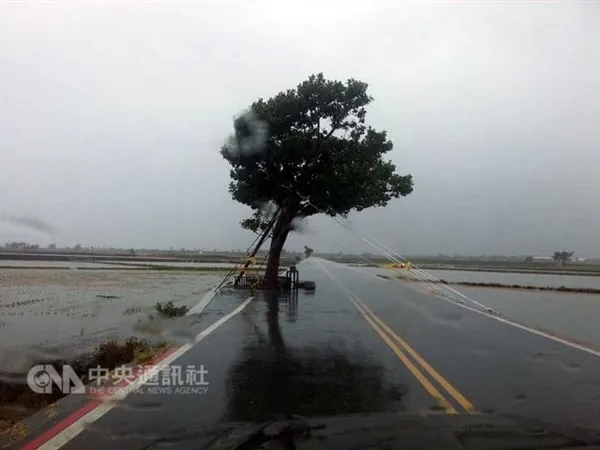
pixel 280 233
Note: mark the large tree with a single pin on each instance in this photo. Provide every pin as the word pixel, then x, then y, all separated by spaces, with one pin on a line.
pixel 562 257
pixel 307 151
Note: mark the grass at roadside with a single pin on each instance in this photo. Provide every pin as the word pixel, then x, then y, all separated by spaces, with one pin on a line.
pixel 17 400
pixel 169 309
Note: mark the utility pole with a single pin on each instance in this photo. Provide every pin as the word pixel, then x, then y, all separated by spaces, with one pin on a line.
pixel 260 242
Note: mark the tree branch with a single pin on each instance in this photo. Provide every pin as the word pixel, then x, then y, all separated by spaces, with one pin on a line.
pixel 334 128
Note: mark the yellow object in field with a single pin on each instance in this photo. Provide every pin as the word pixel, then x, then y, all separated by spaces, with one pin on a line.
pixel 406 265
pixel 393 266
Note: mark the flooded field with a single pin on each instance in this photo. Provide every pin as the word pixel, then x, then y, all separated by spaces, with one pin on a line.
pixel 523 279
pixel 109 265
pixel 181 264
pixel 74 310
pixel 571 315
pixel 58 264
pixel 574 316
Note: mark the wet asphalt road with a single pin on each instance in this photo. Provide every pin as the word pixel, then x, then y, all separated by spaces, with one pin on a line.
pixel 359 344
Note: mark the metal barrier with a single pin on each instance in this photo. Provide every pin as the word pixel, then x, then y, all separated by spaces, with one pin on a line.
pixel 287 282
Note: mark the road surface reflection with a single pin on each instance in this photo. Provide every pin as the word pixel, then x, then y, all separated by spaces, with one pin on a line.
pixel 274 378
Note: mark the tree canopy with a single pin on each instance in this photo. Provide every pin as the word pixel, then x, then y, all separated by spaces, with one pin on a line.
pixel 309 150
pixel 317 146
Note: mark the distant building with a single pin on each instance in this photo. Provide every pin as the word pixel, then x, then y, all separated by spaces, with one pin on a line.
pixel 578 259
pixel 572 259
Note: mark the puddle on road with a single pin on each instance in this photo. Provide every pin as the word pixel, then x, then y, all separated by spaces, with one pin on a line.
pixel 571 367
pixel 274 378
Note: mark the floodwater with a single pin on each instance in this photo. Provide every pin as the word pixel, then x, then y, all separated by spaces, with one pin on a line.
pixel 73 311
pixel 522 279
pixel 100 265
pixel 570 315
pixel 180 264
pixel 57 264
pixel 314 354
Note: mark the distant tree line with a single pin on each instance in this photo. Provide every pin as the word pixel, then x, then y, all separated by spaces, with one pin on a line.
pixel 21 246
pixel 28 246
pixel 560 258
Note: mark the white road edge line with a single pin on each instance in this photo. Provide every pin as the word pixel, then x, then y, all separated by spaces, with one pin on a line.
pixel 197 309
pixel 78 426
pixel 543 334
pixel 560 340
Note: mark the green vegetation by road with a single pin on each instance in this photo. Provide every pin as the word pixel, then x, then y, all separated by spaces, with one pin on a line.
pixel 169 309
pixel 17 400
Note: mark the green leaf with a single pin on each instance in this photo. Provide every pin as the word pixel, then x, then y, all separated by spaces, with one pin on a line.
pixel 319 156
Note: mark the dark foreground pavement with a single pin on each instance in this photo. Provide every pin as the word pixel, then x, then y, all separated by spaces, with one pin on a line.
pixel 359 344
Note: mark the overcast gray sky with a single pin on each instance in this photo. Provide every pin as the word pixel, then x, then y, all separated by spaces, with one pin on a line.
pixel 113 114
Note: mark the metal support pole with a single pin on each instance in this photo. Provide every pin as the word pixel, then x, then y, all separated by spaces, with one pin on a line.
pixel 260 242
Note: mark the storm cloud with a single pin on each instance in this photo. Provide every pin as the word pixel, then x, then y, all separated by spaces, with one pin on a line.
pixel 113 115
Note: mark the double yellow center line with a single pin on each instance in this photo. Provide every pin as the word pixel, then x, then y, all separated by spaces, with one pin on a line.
pixel 402 350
